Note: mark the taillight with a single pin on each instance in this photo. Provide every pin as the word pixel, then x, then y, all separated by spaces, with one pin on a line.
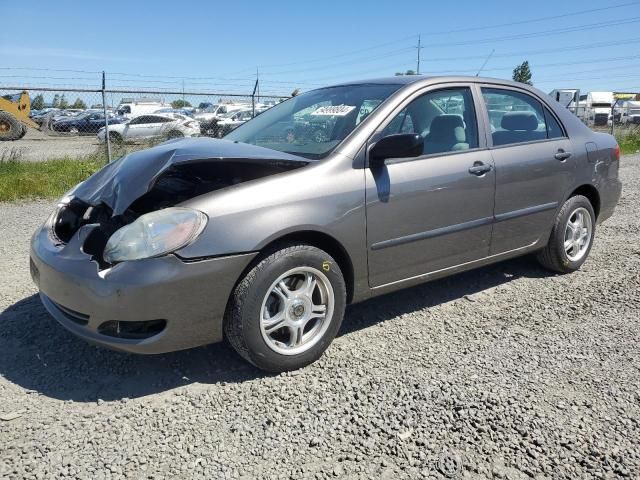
pixel 616 152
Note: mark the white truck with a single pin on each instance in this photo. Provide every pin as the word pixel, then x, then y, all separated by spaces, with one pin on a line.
pixel 567 97
pixel 131 108
pixel 630 112
pixel 598 108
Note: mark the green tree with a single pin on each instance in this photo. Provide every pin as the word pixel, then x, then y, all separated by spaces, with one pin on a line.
pixel 180 104
pixel 63 102
pixel 522 73
pixel 38 102
pixel 56 101
pixel 79 104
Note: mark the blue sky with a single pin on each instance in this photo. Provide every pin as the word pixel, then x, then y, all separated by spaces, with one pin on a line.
pixel 217 46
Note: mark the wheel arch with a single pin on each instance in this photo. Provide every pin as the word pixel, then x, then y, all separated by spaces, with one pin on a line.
pixel 317 239
pixel 591 193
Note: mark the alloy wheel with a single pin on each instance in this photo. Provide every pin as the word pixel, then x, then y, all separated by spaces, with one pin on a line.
pixel 296 311
pixel 577 234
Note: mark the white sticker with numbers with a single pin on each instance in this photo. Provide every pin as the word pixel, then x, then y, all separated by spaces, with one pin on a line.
pixel 334 110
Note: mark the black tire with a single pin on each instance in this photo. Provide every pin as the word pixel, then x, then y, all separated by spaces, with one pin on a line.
pixel 174 134
pixel 553 256
pixel 243 316
pixel 115 137
pixel 10 128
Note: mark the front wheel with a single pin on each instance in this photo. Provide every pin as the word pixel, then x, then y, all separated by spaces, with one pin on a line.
pixel 571 238
pixel 287 309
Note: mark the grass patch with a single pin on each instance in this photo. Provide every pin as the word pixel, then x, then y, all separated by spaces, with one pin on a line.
pixel 629 140
pixel 49 179
pixel 23 180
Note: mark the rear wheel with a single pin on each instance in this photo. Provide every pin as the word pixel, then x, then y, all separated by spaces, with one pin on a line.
pixel 10 127
pixel 175 134
pixel 571 238
pixel 115 137
pixel 286 311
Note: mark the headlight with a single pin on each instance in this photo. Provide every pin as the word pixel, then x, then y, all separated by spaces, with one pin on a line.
pixel 155 234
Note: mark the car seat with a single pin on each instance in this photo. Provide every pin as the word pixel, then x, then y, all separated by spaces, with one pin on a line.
pixel 446 134
pixel 518 127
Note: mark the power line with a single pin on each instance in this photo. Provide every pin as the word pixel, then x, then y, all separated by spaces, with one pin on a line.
pixel 521 53
pixel 444 32
pixel 534 20
pixel 556 31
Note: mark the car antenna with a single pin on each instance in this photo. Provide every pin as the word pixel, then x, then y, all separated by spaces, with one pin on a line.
pixel 485 62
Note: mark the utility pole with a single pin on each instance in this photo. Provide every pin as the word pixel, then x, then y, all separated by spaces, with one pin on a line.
pixel 420 47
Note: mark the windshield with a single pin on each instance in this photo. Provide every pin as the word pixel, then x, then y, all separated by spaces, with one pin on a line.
pixel 313 124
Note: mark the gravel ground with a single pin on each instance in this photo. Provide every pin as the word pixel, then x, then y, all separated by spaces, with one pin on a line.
pixel 36 146
pixel 503 372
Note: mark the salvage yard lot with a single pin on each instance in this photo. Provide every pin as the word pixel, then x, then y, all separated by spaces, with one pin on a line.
pixel 508 370
pixel 37 146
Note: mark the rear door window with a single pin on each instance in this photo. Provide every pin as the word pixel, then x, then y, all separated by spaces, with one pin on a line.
pixel 516 117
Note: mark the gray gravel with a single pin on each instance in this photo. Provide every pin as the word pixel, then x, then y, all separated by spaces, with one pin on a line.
pixel 504 372
pixel 37 146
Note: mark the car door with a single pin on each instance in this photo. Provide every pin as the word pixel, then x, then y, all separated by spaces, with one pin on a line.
pixel 137 128
pixel 158 125
pixel 534 166
pixel 95 122
pixel 433 211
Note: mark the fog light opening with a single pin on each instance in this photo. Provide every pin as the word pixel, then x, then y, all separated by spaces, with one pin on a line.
pixel 132 330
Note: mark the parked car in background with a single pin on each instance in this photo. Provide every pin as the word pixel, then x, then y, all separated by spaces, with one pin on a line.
pixel 210 116
pixel 168 125
pixel 232 120
pixel 85 123
pixel 182 111
pixel 203 106
pixel 630 112
pixel 264 237
pixel 66 113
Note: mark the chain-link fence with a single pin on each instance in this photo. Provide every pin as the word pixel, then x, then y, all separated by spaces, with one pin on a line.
pixel 79 122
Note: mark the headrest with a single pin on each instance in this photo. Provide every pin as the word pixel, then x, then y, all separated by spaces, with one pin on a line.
pixel 448 126
pixel 519 121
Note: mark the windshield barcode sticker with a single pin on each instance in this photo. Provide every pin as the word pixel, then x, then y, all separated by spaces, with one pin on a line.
pixel 334 110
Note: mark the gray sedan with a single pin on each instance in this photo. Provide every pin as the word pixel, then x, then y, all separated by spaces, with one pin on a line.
pixel 263 238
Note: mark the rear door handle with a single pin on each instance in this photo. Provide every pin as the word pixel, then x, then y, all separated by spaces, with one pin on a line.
pixel 562 155
pixel 479 169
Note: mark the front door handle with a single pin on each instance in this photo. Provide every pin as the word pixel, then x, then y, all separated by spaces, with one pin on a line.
pixel 562 155
pixel 479 168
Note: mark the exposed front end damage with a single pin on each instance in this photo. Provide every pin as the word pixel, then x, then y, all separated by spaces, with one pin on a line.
pixel 144 305
pixel 159 178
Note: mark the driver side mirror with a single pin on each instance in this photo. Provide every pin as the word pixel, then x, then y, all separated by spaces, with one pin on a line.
pixel 400 145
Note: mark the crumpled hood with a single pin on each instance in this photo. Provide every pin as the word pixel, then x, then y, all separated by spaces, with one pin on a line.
pixel 121 182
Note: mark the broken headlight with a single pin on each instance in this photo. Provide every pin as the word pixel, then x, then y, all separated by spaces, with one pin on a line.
pixel 155 234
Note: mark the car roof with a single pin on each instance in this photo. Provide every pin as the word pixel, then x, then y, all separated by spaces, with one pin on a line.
pixel 428 79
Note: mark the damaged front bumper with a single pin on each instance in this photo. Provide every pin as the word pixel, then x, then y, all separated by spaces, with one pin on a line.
pixel 148 306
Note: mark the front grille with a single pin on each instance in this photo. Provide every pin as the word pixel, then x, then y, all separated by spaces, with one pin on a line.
pixel 76 317
pixel 600 118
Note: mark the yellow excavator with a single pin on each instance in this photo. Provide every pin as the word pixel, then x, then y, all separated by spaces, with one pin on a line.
pixel 14 116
